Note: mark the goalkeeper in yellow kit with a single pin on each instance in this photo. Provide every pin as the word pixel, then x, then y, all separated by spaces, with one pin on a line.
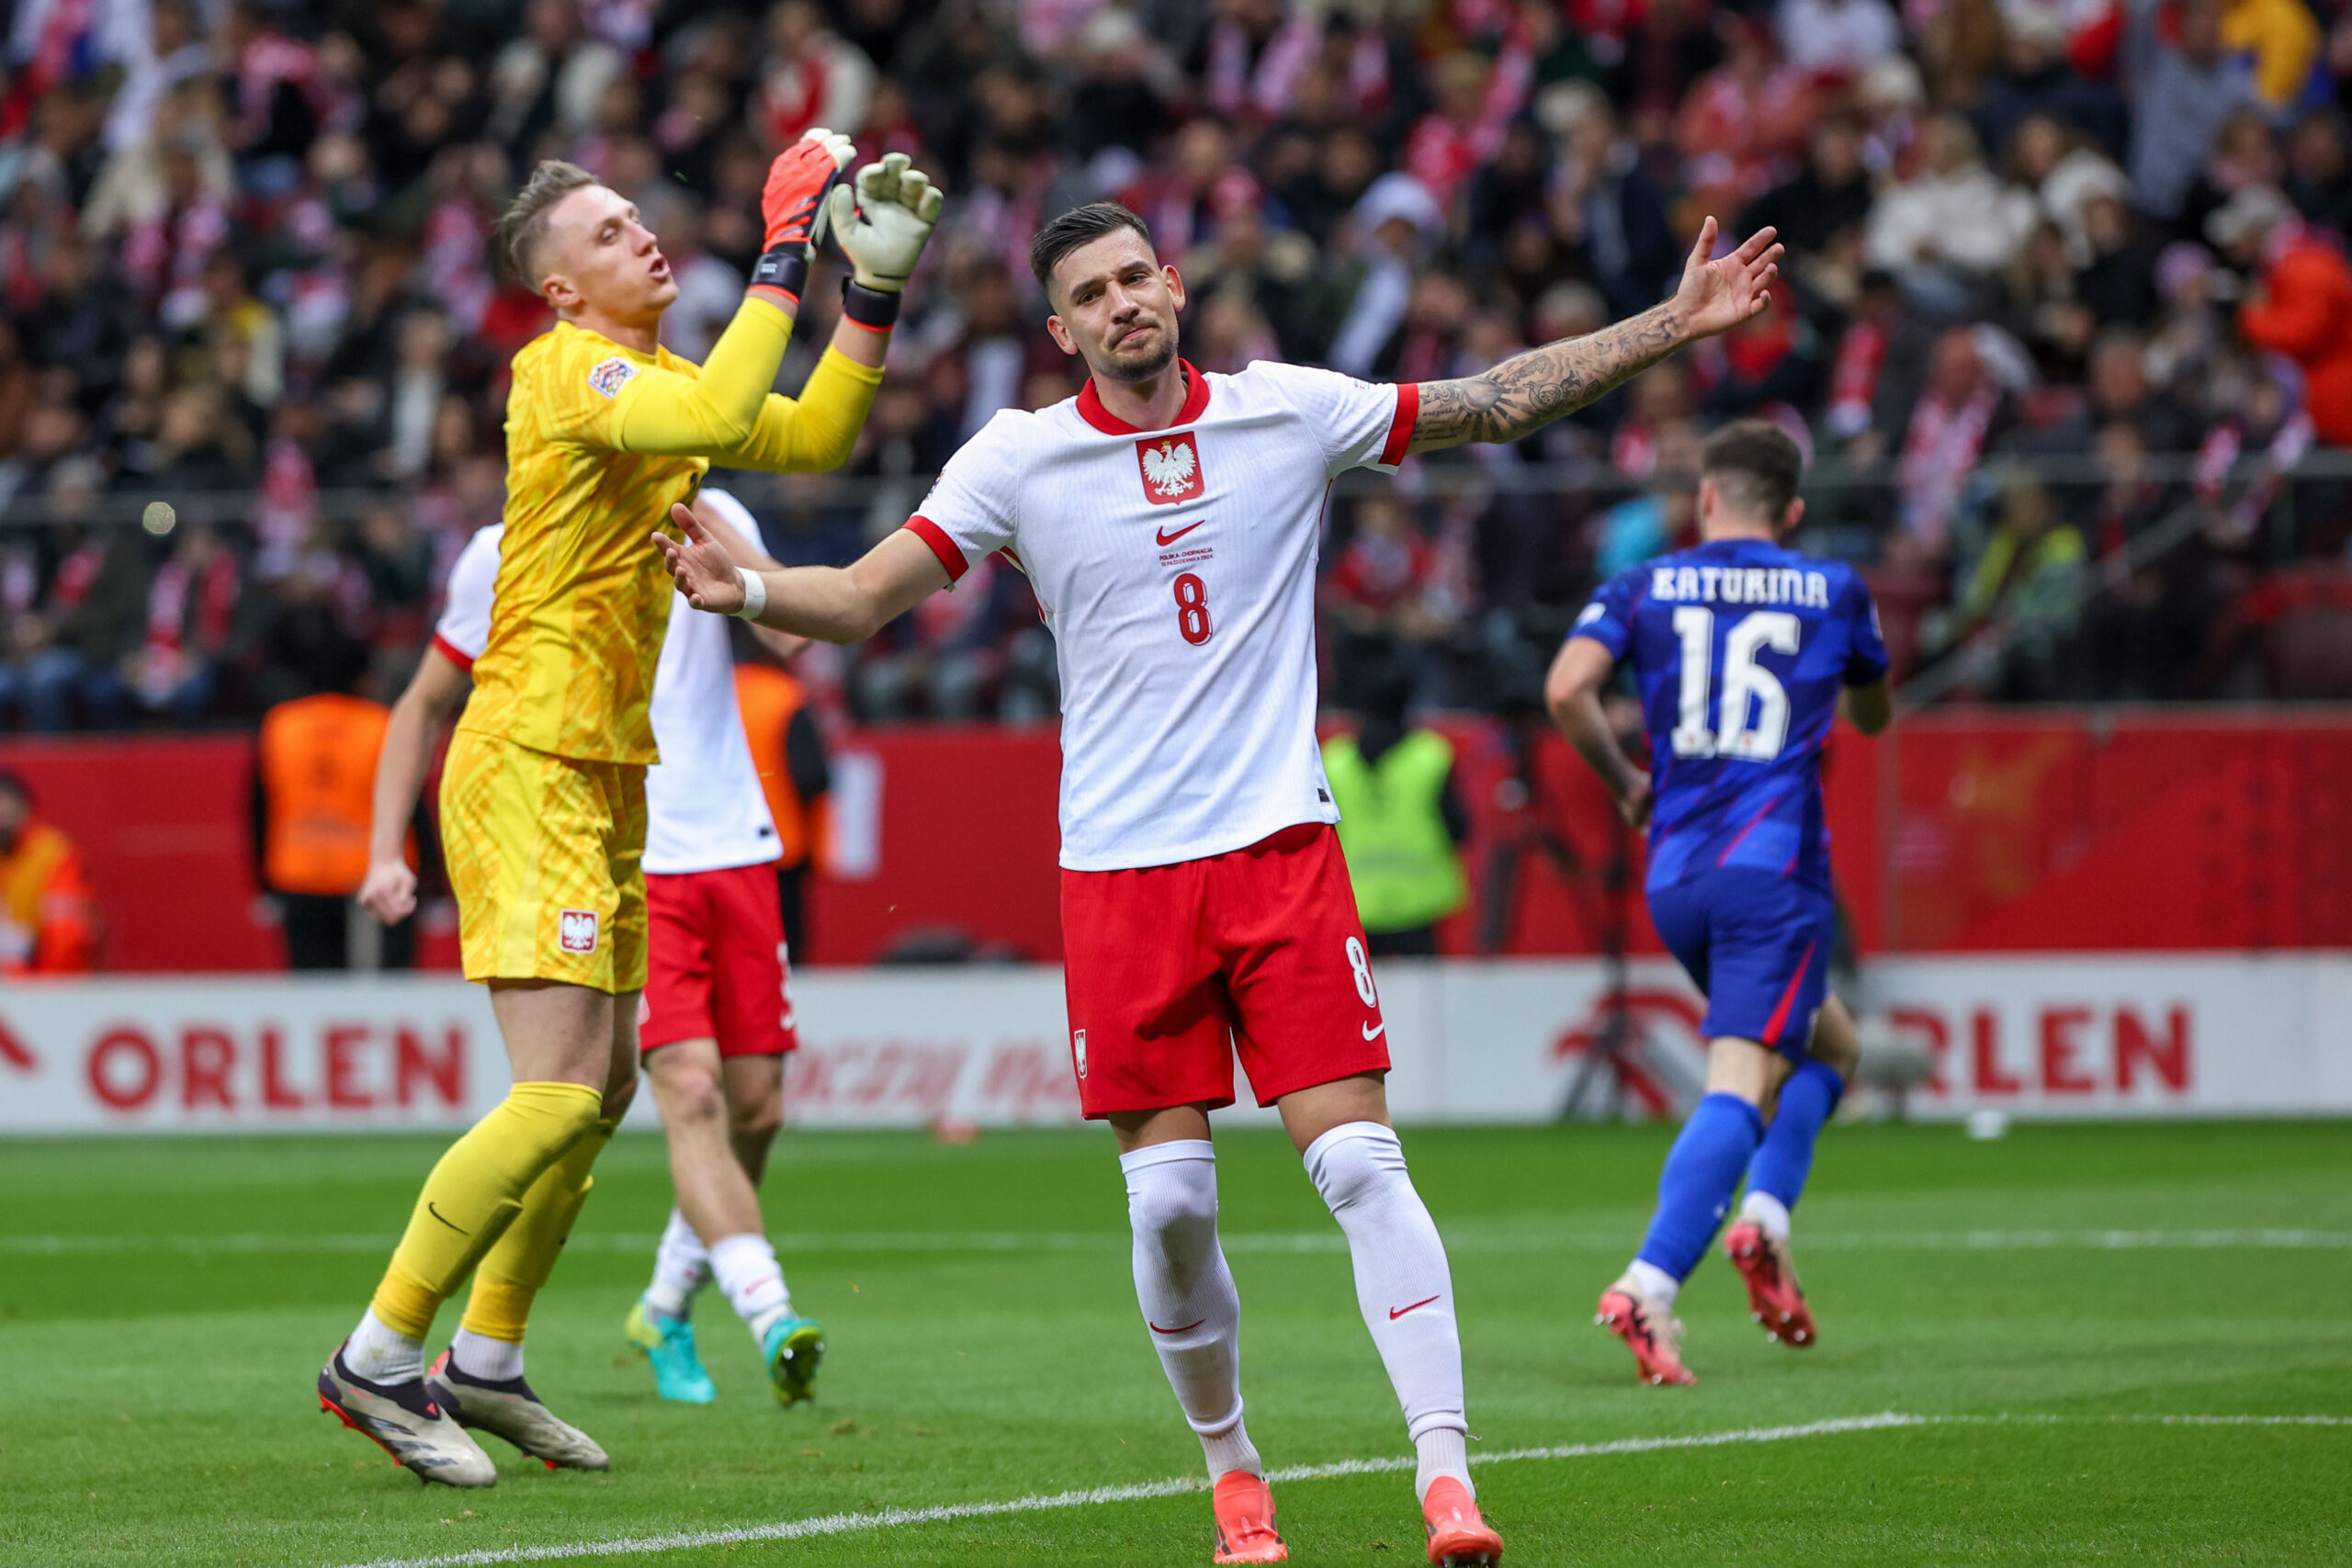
pixel 543 796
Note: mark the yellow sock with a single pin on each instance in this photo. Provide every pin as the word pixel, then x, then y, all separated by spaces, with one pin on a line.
pixel 512 1272
pixel 475 1193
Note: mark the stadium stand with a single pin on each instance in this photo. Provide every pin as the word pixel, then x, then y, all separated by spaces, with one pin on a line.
pixel 2063 325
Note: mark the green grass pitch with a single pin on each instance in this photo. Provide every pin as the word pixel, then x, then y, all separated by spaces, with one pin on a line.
pixel 165 1306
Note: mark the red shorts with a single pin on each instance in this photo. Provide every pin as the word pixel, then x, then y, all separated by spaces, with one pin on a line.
pixel 1171 969
pixel 715 963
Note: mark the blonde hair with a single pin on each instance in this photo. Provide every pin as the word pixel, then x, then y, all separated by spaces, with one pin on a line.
pixel 524 224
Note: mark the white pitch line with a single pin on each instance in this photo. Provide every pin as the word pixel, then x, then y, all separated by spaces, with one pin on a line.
pixel 888 1518
pixel 1466 1240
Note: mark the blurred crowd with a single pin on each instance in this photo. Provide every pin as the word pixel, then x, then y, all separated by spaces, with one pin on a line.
pixel 2065 297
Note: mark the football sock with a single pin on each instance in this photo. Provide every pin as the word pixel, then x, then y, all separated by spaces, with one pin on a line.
pixel 680 1267
pixel 1781 1165
pixel 481 1357
pixel 474 1193
pixel 512 1272
pixel 1187 1294
pixel 1694 1190
pixel 1767 1213
pixel 1655 1283
pixel 1443 1452
pixel 1403 1285
pixel 746 1270
pixel 382 1354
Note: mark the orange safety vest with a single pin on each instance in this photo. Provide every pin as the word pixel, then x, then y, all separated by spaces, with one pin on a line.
pixel 49 924
pixel 768 697
pixel 318 777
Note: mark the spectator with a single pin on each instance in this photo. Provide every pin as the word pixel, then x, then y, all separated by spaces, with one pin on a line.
pixel 2191 89
pixel 2021 585
pixel 93 618
pixel 1829 196
pixel 2039 79
pixel 553 77
pixel 2283 39
pixel 2321 182
pixel 1605 203
pixel 815 76
pixel 1944 229
pixel 49 918
pixel 1837 38
pixel 1961 410
pixel 191 617
pixel 2301 303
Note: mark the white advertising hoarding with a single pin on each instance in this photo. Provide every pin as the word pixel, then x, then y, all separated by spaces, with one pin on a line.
pixel 1507 1041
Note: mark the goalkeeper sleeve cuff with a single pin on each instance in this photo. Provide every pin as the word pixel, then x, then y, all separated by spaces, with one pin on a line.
pixel 781 277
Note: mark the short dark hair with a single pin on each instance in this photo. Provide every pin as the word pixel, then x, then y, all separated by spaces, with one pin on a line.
pixel 12 783
pixel 1756 468
pixel 1079 226
pixel 524 222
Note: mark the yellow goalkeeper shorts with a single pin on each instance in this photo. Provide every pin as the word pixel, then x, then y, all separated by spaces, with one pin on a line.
pixel 546 855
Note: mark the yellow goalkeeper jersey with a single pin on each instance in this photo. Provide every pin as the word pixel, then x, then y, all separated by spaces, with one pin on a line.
pixel 601 440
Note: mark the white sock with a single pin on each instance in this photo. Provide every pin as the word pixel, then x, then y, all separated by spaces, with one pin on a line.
pixel 1190 1306
pixel 1403 1285
pixel 378 1354
pixel 1772 1215
pixel 1443 1452
pixel 480 1355
pixel 747 1272
pixel 680 1267
pixel 1656 1284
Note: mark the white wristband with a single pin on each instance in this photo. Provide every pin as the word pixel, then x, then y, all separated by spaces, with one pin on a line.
pixel 755 594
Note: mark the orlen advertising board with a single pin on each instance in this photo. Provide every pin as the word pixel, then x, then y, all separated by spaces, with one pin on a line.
pixel 1508 1040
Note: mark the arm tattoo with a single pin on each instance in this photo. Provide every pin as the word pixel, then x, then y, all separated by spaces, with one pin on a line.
pixel 1529 391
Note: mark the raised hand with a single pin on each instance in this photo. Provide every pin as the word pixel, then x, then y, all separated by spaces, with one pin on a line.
pixel 882 222
pixel 1716 296
pixel 794 198
pixel 700 565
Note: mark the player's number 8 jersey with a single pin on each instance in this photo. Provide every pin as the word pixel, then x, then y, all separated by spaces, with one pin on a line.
pixel 1177 571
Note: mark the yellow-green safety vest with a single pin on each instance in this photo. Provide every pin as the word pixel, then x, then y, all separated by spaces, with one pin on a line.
pixel 1393 830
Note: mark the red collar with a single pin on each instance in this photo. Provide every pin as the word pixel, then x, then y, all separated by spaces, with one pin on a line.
pixel 1196 397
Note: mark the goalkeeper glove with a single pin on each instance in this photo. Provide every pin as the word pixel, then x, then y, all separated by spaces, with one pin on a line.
pixel 793 206
pixel 882 222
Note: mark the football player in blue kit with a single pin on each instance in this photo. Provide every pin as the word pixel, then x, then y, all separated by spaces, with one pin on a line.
pixel 1743 651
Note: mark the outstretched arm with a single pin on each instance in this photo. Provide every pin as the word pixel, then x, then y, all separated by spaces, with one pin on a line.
pixel 882 222
pixel 1529 391
pixel 1572 692
pixel 829 604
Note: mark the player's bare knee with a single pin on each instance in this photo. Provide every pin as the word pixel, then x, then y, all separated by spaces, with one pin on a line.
pixel 689 1091
pixel 759 1117
pixel 1835 1043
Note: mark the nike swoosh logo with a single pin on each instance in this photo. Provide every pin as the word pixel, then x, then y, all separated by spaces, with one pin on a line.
pixel 1396 1312
pixel 1194 1324
pixel 1165 537
pixel 444 1220
pixel 1372 1032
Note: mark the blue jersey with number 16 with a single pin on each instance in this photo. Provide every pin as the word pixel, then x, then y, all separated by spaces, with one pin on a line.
pixel 1740 648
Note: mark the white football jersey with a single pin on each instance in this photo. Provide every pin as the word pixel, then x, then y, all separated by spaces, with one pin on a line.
pixel 705 810
pixel 1177 571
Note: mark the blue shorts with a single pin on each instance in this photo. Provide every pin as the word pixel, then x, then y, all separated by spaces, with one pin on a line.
pixel 1757 944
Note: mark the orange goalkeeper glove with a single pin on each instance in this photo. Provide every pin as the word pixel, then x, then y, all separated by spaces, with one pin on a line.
pixel 793 206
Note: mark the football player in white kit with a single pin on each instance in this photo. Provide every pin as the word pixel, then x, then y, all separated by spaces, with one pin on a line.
pixel 716 1020
pixel 1168 521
